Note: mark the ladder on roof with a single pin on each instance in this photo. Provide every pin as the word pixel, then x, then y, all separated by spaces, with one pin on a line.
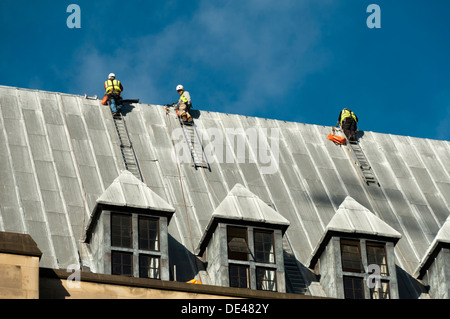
pixel 195 145
pixel 294 277
pixel 362 163
pixel 126 147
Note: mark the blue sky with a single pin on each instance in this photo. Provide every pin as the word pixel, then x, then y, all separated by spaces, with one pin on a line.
pixel 293 60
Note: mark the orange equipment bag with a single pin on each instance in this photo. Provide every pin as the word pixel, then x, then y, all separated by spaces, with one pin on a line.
pixel 337 139
pixel 105 100
pixel 194 281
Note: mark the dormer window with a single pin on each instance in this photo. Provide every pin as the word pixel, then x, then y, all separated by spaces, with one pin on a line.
pixel 266 279
pixel 128 230
pixel 149 266
pixel 357 267
pixel 243 243
pixel 239 276
pixel 124 245
pixel 355 256
pixel 237 243
pixel 351 256
pixel 121 263
pixel 148 233
pixel 264 246
pixel 121 234
pixel 376 255
pixel 254 262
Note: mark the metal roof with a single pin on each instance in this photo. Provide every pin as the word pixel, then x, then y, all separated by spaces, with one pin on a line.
pixel 59 153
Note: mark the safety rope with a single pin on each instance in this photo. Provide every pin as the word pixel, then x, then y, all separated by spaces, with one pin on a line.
pixel 374 203
pixel 210 186
pixel 83 189
pixel 182 192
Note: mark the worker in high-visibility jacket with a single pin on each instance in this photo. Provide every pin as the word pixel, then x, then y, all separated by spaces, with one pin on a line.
pixel 184 105
pixel 348 122
pixel 113 91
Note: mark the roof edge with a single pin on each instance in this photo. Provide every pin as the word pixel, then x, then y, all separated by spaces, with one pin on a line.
pixel 18 244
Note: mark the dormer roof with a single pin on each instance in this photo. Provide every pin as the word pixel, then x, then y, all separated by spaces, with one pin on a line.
pixel 442 238
pixel 241 206
pixel 352 218
pixel 126 191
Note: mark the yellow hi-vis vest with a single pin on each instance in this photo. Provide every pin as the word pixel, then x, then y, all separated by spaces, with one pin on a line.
pixel 113 85
pixel 183 98
pixel 347 113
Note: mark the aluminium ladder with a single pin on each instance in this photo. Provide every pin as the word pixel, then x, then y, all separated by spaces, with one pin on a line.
pixel 194 144
pixel 362 163
pixel 126 147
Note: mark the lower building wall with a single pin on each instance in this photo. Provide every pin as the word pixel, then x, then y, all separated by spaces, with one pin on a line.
pixel 19 276
pixel 59 289
pixel 59 284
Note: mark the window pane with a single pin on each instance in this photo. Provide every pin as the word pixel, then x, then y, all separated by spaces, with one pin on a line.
pixel 148 233
pixel 264 247
pixel 149 267
pixel 381 292
pixel 266 279
pixel 376 254
pixel 239 276
pixel 121 234
pixel 353 288
pixel 351 256
pixel 121 263
pixel 237 243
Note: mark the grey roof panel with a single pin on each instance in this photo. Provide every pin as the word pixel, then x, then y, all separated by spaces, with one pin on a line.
pixel 33 122
pixel 51 112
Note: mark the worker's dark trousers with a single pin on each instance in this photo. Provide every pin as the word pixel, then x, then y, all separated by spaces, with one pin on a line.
pixel 115 101
pixel 349 128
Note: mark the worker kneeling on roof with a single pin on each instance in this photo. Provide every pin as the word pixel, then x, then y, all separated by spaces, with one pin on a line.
pixel 113 93
pixel 184 105
pixel 348 121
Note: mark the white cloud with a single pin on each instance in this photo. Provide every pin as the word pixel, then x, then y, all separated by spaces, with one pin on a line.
pixel 233 55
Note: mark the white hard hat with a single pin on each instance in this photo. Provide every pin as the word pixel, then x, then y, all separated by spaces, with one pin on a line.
pixel 180 87
pixel 111 75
